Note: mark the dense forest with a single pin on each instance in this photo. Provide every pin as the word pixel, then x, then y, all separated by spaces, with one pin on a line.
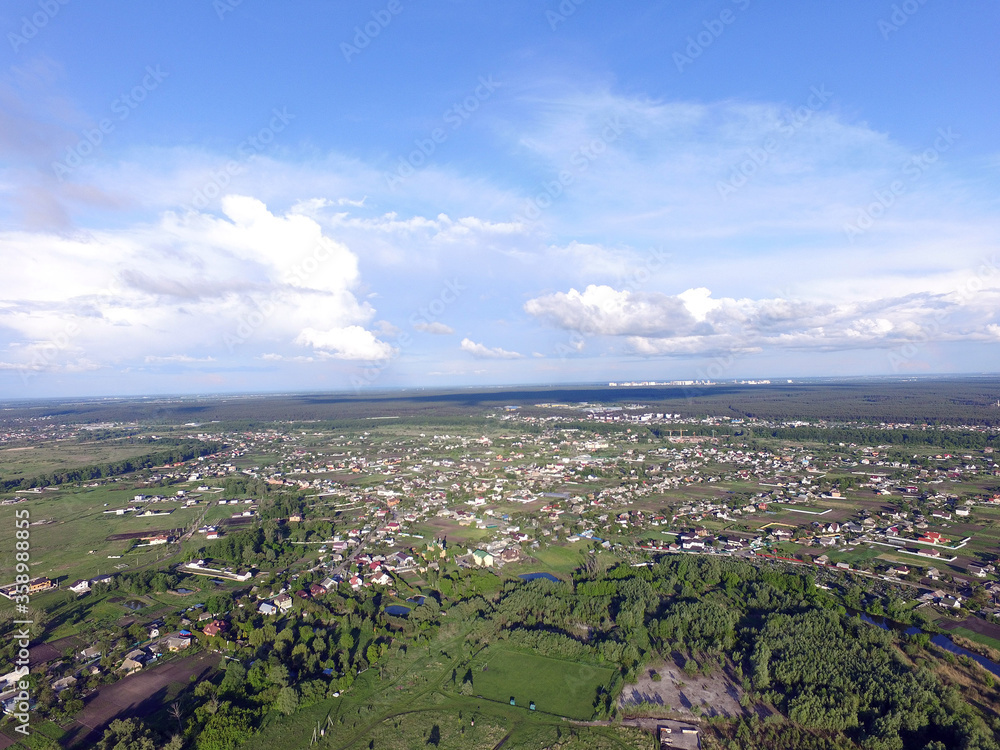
pixel 953 439
pixel 929 400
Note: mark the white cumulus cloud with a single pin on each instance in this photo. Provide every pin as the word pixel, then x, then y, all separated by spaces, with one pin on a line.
pixel 484 352
pixel 350 342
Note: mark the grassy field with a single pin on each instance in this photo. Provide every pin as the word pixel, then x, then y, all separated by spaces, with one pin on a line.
pixel 557 687
pixel 855 555
pixel 557 560
pixel 412 704
pixel 977 637
pixel 447 730
pixel 452 724
pixel 43 457
pixel 77 513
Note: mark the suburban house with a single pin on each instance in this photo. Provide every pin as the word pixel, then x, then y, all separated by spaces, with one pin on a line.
pixel 283 602
pixel 177 642
pixel 510 554
pixel 403 559
pixel 80 587
pixel 216 627
pixel 267 608
pixel 317 589
pixel 66 682
pixel 134 661
pixel 40 584
pixel 482 558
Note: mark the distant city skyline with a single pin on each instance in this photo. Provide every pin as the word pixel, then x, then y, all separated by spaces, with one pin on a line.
pixel 228 196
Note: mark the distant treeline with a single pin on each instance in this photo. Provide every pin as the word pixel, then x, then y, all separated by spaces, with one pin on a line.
pixel 181 450
pixel 870 437
pixel 936 401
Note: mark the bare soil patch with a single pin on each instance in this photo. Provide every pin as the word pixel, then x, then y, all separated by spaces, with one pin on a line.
pixel 43 653
pixel 974 624
pixel 238 521
pixel 137 695
pixel 718 694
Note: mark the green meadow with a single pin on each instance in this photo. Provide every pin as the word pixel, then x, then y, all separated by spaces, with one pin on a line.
pixel 565 688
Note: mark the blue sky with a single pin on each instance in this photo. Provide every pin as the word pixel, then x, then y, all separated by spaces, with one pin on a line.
pixel 246 196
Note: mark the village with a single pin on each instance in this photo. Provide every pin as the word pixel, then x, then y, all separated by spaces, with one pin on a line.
pixel 384 509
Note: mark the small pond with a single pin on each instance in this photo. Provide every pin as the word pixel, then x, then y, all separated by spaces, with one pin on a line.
pixel 533 576
pixel 398 610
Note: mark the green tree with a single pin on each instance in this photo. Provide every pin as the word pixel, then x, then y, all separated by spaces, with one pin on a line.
pixel 288 701
pixel 127 734
pixel 278 675
pixel 228 729
pixel 232 683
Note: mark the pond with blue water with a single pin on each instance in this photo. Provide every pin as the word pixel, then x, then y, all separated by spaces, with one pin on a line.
pixel 937 639
pixel 534 576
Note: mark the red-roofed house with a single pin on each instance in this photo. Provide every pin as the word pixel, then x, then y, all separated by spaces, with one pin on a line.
pixel 215 627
